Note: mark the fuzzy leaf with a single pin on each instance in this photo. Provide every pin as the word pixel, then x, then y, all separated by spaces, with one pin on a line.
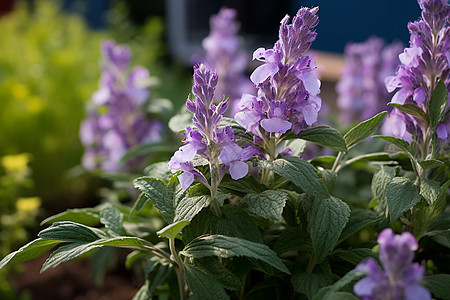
pixel 214 269
pixel 292 239
pixel 363 130
pixel 324 136
pixel 188 207
pixel 401 194
pixel 427 164
pixel 438 104
pixel 226 247
pixel 172 230
pixel 438 285
pixel 380 181
pixel 112 218
pixel 181 120
pixel 412 109
pixel 309 283
pixel 429 190
pixel 331 292
pixel 326 220
pixel 359 218
pixel 297 146
pixel 399 143
pixel 202 285
pixel 268 204
pixel 86 216
pixel 71 232
pixel 66 253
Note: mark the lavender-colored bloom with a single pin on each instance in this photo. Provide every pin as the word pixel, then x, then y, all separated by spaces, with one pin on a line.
pixel 361 90
pixel 117 120
pixel 224 54
pixel 423 63
pixel 287 96
pixel 400 279
pixel 208 140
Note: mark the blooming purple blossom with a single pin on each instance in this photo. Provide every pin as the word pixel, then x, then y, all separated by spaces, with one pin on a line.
pixel 287 92
pixel 400 279
pixel 208 140
pixel 423 63
pixel 116 119
pixel 361 90
pixel 224 54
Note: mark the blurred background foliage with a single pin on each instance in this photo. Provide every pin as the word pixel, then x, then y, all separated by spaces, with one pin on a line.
pixel 49 68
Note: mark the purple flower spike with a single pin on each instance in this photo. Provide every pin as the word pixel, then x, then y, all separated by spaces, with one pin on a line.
pixel 401 279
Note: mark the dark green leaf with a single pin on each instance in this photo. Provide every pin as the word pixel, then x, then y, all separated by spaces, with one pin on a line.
pixel 438 104
pixel 412 109
pixel 323 161
pixel 399 143
pixel 86 216
pixel 438 285
pixel 440 236
pixel 326 220
pixel 429 190
pixel 243 186
pixel 202 285
pixel 188 207
pixel 143 293
pixel 300 172
pixel 329 178
pixel 211 267
pixel 112 218
pixel 325 136
pixel 71 232
pixel 363 130
pixel 268 204
pixel 309 283
pixel 329 292
pixel 380 181
pixel 292 239
pixel 226 247
pixel 359 218
pixel 66 253
pixel 427 164
pixel 200 225
pixel 401 194
pixel 30 251
pixel 171 231
pixel 355 256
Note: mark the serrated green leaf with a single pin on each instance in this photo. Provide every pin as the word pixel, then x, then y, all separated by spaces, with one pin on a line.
pixel 201 285
pixel 326 219
pixel 401 194
pixel 112 218
pixel 292 239
pixel 226 247
pixel 159 170
pixel 309 283
pixel 329 292
pixel 71 232
pixel 438 104
pixel 438 285
pixel 188 207
pixel 363 130
pixel 29 251
pixel 66 253
pixel 399 143
pixel 429 190
pixel 431 163
pixel 268 204
pixel 412 109
pixel 86 216
pixel 359 218
pixel 380 181
pixel 324 136
pixel 214 269
pixel 329 178
pixel 172 230
pixel 355 256
pixel 243 186
pixel 300 172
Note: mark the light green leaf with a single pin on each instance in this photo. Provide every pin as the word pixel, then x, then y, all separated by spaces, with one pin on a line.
pixel 71 232
pixel 159 170
pixel 181 120
pixel 268 204
pixel 429 190
pixel 309 283
pixel 401 194
pixel 112 218
pixel 412 109
pixel 226 247
pixel 30 251
pixel 363 130
pixel 297 146
pixel 399 143
pixel 431 163
pixel 300 172
pixel 143 293
pixel 380 181
pixel 172 230
pixel 202 285
pixel 438 104
pixel 189 206
pixel 438 285
pixel 325 136
pixel 86 216
pixel 326 220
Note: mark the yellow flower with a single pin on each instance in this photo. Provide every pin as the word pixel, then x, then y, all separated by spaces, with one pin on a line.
pixel 28 204
pixel 15 162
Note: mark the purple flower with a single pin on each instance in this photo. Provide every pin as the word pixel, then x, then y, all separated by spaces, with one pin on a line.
pixel 361 90
pixel 287 96
pixel 401 279
pixel 117 120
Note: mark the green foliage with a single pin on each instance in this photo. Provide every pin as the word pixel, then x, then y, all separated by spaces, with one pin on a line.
pixel 325 136
pixel 363 130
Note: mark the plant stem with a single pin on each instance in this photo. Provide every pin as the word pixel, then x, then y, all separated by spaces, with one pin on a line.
pixel 337 161
pixel 178 269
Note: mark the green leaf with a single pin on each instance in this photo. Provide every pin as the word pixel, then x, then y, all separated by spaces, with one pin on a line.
pixel 438 104
pixel 429 190
pixel 146 149
pixel 300 172
pixel 438 285
pixel 355 256
pixel 329 178
pixel 359 218
pixel 380 181
pixel 181 120
pixel 399 143
pixel 431 163
pixel 143 293
pixel 29 251
pixel 331 292
pixel 323 161
pixel 71 232
pixel 86 216
pixel 292 239
pixel 268 204
pixel 324 136
pixel 188 207
pixel 243 186
pixel 66 253
pixel 201 285
pixel 112 218
pixel 363 130
pixel 309 283
pixel 211 267
pixel 171 231
pixel 159 170
pixel 401 194
pixel 297 146
pixel 440 236
pixel 326 220
pixel 412 109
pixel 226 247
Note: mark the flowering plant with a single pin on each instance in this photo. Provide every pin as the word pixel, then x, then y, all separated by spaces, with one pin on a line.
pixel 236 213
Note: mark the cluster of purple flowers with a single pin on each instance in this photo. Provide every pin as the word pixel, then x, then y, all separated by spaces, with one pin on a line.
pixel 116 119
pixel 287 92
pixel 208 140
pixel 423 63
pixel 224 54
pixel 361 90
pixel 400 279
